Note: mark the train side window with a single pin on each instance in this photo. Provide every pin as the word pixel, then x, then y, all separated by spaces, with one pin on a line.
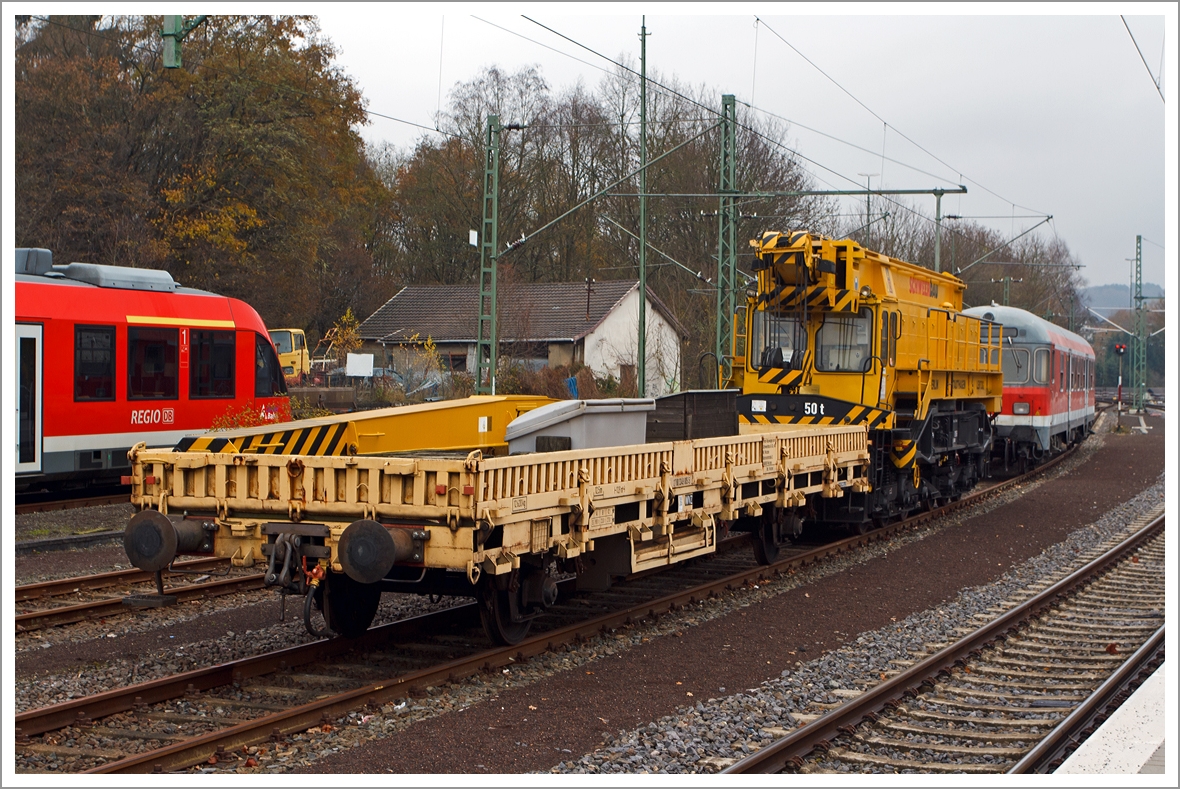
pixel 894 334
pixel 151 363
pixel 212 367
pixel 1041 366
pixel 884 349
pixel 268 375
pixel 94 363
pixel 1061 372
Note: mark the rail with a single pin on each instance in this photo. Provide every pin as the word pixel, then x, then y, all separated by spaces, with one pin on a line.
pixel 791 749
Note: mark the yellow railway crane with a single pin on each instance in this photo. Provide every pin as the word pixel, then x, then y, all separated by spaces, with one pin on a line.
pixel 837 334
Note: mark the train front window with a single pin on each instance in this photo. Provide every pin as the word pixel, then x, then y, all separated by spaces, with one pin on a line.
pixel 151 364
pixel 268 375
pixel 94 363
pixel 282 341
pixel 845 343
pixel 778 339
pixel 212 367
pixel 1015 365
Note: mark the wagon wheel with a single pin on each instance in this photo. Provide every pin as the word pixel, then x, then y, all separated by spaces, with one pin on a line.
pixel 349 606
pixel 775 530
pixel 495 611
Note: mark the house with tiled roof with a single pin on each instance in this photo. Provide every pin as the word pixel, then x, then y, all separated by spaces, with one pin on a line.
pixel 541 323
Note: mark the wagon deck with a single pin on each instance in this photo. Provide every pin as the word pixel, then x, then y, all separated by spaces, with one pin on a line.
pixel 481 514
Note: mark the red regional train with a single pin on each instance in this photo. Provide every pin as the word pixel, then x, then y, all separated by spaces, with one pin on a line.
pixel 1048 387
pixel 108 356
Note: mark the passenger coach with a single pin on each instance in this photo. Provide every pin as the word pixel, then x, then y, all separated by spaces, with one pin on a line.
pixel 1048 387
pixel 108 356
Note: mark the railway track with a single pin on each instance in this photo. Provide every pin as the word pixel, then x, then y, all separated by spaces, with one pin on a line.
pixel 213 713
pixel 1011 695
pixel 69 600
pixel 50 503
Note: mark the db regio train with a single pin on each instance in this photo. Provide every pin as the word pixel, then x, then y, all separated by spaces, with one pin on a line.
pixel 1048 387
pixel 109 356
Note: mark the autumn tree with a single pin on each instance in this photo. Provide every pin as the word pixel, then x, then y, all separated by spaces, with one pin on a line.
pixel 242 173
pixel 571 146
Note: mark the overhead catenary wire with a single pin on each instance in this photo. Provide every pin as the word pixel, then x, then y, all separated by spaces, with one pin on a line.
pixel 691 100
pixel 754 67
pixel 895 129
pixel 849 143
pixel 1154 81
pixel 777 142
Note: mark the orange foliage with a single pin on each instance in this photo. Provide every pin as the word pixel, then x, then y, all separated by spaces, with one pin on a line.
pixel 252 415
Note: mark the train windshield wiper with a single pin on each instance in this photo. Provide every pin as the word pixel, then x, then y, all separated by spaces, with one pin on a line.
pixel 1015 358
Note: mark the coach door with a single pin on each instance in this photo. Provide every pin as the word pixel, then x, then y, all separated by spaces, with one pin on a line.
pixel 28 400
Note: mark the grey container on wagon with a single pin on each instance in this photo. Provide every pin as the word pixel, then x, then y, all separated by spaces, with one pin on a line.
pixel 580 424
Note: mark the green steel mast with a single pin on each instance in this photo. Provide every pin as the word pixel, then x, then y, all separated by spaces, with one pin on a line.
pixel 726 239
pixel 1139 355
pixel 486 341
pixel 641 362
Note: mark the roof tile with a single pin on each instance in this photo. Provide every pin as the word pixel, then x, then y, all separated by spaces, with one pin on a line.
pixel 535 312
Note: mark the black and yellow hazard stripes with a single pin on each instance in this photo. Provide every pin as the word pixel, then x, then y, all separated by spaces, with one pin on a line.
pixel 322 440
pixel 796 409
pixel 903 453
pixel 777 376
pixel 814 297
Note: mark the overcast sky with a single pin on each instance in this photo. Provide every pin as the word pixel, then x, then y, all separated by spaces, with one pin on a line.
pixel 1046 113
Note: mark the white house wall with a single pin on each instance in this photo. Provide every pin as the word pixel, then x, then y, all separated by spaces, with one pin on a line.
pixel 616 341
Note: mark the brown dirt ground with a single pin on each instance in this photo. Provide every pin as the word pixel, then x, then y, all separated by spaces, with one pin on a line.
pixel 743 649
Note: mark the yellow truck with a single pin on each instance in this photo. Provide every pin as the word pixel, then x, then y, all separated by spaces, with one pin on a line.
pixel 294 358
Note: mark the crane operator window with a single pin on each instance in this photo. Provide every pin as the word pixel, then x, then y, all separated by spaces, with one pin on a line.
pixel 845 343
pixel 778 339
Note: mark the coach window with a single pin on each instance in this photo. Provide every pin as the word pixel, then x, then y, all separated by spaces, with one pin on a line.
pixel 94 363
pixel 1041 366
pixel 844 342
pixel 151 364
pixel 212 364
pixel 268 376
